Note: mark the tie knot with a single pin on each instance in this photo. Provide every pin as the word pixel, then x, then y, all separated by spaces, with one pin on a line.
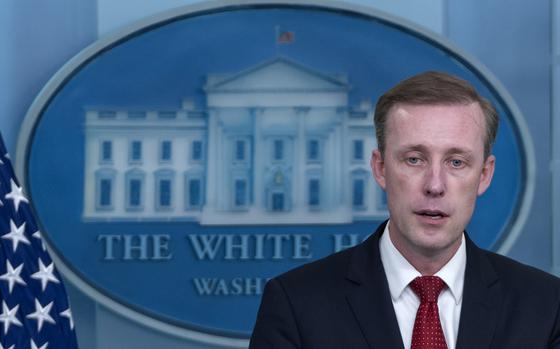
pixel 427 288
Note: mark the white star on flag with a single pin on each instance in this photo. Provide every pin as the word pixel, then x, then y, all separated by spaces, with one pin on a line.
pixel 12 276
pixel 41 314
pixel 8 316
pixel 45 274
pixel 37 235
pixel 16 195
pixel 16 235
pixel 34 346
pixel 12 347
pixel 68 314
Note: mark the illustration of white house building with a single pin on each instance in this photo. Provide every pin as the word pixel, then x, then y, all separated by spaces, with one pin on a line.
pixel 277 143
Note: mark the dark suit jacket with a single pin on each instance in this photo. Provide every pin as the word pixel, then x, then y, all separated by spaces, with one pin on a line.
pixel 343 302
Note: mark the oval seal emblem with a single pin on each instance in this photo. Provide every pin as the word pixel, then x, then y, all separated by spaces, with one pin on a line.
pixel 178 165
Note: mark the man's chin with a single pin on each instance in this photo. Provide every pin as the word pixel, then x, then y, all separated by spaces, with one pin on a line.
pixel 432 243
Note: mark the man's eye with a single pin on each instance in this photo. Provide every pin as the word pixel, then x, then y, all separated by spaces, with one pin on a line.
pixel 413 160
pixel 457 163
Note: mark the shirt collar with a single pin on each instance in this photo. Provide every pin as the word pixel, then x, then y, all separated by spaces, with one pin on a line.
pixel 400 272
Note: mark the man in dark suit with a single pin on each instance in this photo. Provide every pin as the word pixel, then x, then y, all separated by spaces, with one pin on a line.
pixel 418 282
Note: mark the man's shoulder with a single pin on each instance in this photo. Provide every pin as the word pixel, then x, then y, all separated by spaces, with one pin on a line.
pixel 361 258
pixel 327 269
pixel 519 275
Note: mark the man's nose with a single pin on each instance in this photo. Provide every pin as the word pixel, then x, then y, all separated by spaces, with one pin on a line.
pixel 434 184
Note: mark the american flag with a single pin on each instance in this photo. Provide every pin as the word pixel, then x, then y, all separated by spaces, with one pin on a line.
pixel 34 308
pixel 284 36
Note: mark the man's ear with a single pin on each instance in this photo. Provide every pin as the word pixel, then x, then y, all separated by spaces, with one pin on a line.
pixel 486 174
pixel 378 167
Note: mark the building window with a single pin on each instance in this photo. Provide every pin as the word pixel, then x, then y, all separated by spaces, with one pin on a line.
pixel 359 189
pixel 164 189
pixel 240 150
pixel 164 193
pixel 106 151
pixel 196 151
pixel 136 114
pixel 313 150
pixel 358 193
pixel 277 201
pixel 358 149
pixel 165 151
pixel 105 193
pixel 104 189
pixel 107 114
pixel 134 196
pixel 167 114
pixel 134 193
pixel 314 193
pixel 135 151
pixel 240 192
pixel 195 189
pixel 278 153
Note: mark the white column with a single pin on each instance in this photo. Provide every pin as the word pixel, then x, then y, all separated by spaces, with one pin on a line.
pixel 89 173
pixel 299 175
pixel 211 159
pixel 258 161
pixel 329 164
pixel 342 158
pixel 222 175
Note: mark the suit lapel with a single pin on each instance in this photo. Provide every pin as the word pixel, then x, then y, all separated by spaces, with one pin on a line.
pixel 482 297
pixel 368 295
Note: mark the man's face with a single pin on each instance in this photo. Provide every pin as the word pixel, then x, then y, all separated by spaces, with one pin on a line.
pixel 432 170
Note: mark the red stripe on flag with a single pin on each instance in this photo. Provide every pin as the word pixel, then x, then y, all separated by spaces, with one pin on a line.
pixel 285 37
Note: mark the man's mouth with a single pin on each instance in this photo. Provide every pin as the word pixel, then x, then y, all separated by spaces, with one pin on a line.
pixel 432 214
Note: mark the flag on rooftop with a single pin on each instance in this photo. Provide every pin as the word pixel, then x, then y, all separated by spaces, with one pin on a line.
pixel 284 36
pixel 34 310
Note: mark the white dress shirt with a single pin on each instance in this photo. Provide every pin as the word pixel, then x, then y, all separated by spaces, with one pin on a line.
pixel 405 302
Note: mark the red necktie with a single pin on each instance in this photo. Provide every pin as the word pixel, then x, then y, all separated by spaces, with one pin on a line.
pixel 427 332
